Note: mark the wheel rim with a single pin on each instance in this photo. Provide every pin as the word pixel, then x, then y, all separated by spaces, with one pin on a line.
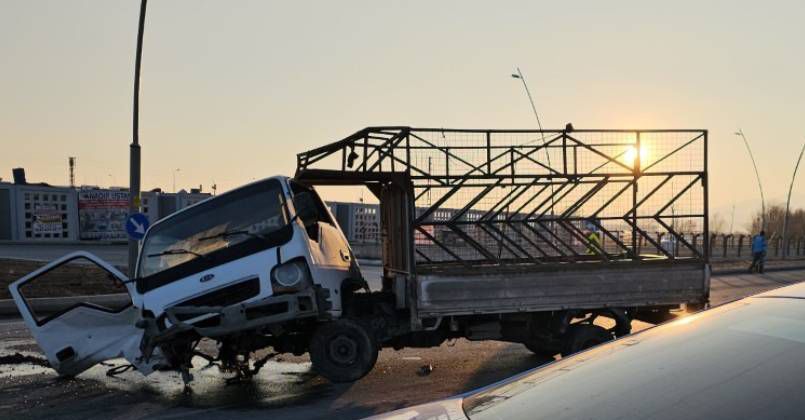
pixel 343 350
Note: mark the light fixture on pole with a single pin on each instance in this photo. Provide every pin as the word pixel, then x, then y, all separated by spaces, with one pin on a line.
pixel 788 203
pixel 134 148
pixel 740 134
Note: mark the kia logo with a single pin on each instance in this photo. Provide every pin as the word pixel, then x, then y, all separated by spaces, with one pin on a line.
pixel 206 278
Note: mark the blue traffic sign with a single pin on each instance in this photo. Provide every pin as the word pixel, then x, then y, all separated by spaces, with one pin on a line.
pixel 136 225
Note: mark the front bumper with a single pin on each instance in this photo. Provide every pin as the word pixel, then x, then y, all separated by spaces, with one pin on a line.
pixel 216 321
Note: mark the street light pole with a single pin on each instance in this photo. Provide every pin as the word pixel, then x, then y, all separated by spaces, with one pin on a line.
pixel 134 148
pixel 788 203
pixel 740 134
pixel 519 75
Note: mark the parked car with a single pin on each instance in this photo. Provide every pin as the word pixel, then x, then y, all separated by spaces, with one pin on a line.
pixel 744 359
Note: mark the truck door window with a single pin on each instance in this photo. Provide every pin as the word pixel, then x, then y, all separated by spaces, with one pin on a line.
pixel 321 214
pixel 99 288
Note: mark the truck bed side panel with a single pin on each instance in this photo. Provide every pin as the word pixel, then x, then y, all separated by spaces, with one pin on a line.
pixel 441 294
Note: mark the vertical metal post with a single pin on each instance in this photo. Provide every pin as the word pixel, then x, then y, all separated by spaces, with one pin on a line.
pixel 511 158
pixel 788 203
pixel 636 176
pixel 134 148
pixel 706 191
pixel 408 151
pixel 447 165
pixel 488 152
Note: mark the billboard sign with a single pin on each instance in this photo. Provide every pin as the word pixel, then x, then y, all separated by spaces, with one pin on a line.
pixel 46 218
pixel 102 214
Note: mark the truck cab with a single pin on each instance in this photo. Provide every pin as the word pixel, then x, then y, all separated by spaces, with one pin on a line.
pixel 268 241
pixel 267 258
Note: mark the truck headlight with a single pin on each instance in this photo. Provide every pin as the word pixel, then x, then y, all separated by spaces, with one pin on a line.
pixel 290 276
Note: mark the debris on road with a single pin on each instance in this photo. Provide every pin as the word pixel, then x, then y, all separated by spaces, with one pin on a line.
pixel 425 370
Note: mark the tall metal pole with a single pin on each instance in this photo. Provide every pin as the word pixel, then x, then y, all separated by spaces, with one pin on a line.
pixel 788 203
pixel 740 134
pixel 174 179
pixel 520 76
pixel 134 148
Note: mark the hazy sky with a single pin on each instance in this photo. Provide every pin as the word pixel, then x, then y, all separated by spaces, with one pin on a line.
pixel 232 90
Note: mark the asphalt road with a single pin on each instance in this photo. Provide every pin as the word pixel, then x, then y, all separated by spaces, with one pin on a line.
pixel 285 389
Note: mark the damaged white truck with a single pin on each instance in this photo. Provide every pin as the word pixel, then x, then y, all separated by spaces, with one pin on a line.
pixel 515 235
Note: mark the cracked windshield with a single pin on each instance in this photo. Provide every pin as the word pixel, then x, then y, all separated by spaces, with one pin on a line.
pixel 224 221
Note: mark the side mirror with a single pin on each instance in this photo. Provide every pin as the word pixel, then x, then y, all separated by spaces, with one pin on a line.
pixel 305 206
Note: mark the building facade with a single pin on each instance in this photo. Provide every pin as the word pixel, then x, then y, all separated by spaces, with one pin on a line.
pixel 42 212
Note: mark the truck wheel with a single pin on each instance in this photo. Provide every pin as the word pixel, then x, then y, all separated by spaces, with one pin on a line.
pixel 581 337
pixel 343 351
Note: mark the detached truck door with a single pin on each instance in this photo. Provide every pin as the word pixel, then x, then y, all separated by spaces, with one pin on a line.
pixel 76 331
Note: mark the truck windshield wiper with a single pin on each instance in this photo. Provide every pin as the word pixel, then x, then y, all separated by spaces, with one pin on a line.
pixel 232 233
pixel 179 251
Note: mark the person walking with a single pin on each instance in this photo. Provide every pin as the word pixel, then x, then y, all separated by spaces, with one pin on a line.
pixel 594 242
pixel 758 252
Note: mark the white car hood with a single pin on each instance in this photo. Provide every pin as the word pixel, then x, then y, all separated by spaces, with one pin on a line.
pixel 449 409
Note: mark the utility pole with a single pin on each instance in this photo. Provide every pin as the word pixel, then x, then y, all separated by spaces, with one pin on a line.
pixel 134 148
pixel 788 203
pixel 740 134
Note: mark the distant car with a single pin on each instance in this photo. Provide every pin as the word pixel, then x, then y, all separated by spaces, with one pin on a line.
pixel 745 360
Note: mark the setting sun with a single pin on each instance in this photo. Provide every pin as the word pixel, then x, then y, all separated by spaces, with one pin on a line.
pixel 631 153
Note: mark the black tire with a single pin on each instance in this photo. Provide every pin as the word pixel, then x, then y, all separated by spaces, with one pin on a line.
pixel 582 337
pixel 343 351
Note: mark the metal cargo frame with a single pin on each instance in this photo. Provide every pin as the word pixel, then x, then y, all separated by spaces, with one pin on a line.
pixel 489 198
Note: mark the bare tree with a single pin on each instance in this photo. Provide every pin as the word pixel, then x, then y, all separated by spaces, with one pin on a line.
pixel 718 224
pixel 775 214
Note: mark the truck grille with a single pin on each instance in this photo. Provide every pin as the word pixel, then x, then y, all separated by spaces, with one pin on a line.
pixel 228 295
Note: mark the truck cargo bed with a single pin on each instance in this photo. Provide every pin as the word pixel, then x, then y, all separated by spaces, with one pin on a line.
pixel 558 287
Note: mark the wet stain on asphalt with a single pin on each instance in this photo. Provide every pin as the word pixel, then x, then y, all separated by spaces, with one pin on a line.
pixel 19 358
pixel 38 390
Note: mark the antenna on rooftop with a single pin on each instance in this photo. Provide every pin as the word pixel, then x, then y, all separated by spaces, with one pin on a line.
pixel 71 164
